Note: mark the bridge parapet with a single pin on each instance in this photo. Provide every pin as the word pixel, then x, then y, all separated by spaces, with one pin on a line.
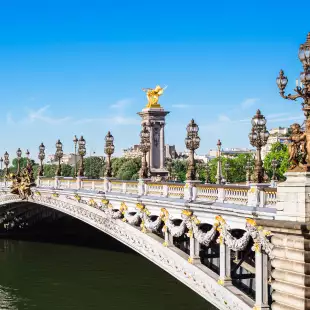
pixel 252 195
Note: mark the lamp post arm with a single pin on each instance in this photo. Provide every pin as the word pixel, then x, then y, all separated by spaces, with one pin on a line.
pixel 298 90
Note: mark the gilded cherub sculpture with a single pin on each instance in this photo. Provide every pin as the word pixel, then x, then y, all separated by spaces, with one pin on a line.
pixel 21 185
pixel 153 96
pixel 298 148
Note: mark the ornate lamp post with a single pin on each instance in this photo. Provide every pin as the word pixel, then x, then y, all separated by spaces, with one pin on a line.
pixel 6 163
pixel 82 153
pixel 258 138
pixel 109 150
pixel 248 169
pixel 227 167
pixel 28 159
pixel 207 174
pixel 302 91
pixel 75 141
pixel 58 156
pixel 274 165
pixel 19 156
pixel 41 158
pixel 219 163
pixel 192 142
pixel 145 145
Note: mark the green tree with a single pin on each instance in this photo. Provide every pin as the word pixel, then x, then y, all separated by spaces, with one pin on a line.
pixel 94 167
pixel 179 167
pixel 117 163
pixel 279 152
pixel 50 170
pixel 129 169
pixel 67 170
pixel 23 164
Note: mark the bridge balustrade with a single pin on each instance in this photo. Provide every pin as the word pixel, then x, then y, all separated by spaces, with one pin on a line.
pixel 228 194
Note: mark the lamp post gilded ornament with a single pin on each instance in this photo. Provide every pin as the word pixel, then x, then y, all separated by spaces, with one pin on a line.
pixel 19 155
pixel 145 145
pixel 41 157
pixel 258 138
pixel 58 156
pixel 192 142
pixel 6 163
pixel 109 150
pixel 82 153
pixel 299 148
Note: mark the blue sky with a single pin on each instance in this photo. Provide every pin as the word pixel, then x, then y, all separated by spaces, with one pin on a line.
pixel 77 67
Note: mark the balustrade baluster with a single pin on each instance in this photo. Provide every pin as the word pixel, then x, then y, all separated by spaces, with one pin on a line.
pixel 225 268
pixel 261 280
pixel 194 248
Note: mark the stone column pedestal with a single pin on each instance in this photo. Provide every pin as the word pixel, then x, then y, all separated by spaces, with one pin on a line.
pixel 293 201
pixel 290 274
pixel 107 185
pixel 254 194
pixel 142 186
pixel 190 191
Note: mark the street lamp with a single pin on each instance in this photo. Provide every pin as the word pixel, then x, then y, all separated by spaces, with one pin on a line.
pixel 28 159
pixel 302 90
pixel 41 157
pixel 145 145
pixel 207 174
pixel 19 155
pixel 219 163
pixel 258 138
pixel 192 142
pixel 75 141
pixel 82 153
pixel 227 167
pixel 109 150
pixel 6 163
pixel 274 165
pixel 58 156
pixel 248 169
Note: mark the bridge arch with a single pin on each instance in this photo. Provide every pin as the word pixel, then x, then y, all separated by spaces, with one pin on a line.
pixel 173 261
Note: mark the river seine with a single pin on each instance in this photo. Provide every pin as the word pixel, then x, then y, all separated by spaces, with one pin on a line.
pixel 65 270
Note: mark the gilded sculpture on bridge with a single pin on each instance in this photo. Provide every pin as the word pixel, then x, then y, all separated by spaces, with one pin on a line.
pixel 22 183
pixel 153 96
pixel 298 148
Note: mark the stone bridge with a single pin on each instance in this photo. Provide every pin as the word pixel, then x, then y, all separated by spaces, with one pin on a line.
pixel 207 236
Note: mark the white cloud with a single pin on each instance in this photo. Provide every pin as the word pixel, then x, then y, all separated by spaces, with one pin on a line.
pixel 120 104
pixel 276 115
pixel 180 106
pixel 224 118
pixel 249 102
pixel 284 119
pixel 40 115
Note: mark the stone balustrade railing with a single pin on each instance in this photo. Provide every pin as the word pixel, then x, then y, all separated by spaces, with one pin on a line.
pixel 261 195
pixel 251 195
